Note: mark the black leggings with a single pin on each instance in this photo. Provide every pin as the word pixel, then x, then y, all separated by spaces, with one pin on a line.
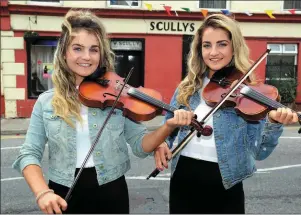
pixel 89 198
pixel 196 187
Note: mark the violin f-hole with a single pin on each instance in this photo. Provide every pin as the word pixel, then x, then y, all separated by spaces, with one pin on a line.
pixel 110 94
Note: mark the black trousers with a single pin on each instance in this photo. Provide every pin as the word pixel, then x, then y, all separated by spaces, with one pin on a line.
pixel 88 197
pixel 196 187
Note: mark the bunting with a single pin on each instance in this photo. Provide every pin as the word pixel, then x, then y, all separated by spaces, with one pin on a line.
pixel 129 3
pixel 205 11
pixel 226 12
pixel 186 9
pixel 292 11
pixel 167 8
pixel 176 13
pixel 248 13
pixel 149 6
pixel 270 14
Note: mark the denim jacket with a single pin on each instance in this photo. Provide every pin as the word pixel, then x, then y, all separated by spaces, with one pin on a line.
pixel 110 155
pixel 238 143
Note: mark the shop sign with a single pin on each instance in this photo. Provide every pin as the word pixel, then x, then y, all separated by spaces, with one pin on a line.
pixel 184 27
pixel 126 45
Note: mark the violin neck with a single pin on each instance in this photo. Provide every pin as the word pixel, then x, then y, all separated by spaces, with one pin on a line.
pixel 148 99
pixel 259 97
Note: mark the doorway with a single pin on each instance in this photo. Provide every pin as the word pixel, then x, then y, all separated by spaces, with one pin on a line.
pixel 129 53
pixel 125 61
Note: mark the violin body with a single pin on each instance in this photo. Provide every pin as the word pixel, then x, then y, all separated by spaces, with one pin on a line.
pixel 102 93
pixel 249 109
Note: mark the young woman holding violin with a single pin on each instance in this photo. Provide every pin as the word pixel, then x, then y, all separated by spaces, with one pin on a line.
pixel 207 174
pixel 69 127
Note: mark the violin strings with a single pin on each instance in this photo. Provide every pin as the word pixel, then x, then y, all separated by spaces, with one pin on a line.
pixel 272 102
pixel 153 101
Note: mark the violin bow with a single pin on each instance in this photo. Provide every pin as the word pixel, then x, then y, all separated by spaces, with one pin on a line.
pixel 193 132
pixel 68 196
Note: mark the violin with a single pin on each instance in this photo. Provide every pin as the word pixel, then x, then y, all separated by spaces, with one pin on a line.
pixel 137 104
pixel 104 89
pixel 251 101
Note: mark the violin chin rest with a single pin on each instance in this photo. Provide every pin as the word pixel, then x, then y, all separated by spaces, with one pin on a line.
pixel 99 72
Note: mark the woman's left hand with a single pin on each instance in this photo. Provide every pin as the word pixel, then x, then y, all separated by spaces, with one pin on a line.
pixel 283 115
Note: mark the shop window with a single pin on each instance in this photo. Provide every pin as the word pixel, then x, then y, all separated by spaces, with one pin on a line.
pixel 281 70
pixel 214 4
pixel 40 54
pixel 45 2
pixel 124 3
pixel 292 4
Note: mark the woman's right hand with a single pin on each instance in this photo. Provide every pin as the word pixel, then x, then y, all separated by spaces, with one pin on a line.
pixel 51 203
pixel 162 156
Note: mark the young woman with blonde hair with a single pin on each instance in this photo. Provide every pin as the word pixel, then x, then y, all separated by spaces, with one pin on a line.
pixel 207 174
pixel 69 128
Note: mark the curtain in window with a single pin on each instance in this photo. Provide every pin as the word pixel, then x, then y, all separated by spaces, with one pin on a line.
pixel 219 4
pixel 291 4
pixel 281 72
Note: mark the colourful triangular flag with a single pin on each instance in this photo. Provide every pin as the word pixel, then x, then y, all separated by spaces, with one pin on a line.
pixel 248 13
pixel 186 9
pixel 204 12
pixel 149 6
pixel 129 3
pixel 167 8
pixel 270 14
pixel 226 12
pixel 292 11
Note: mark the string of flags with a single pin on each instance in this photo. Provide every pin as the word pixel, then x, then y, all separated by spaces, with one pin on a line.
pixel 169 11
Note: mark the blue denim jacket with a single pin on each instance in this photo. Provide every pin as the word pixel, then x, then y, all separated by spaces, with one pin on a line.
pixel 238 143
pixel 110 155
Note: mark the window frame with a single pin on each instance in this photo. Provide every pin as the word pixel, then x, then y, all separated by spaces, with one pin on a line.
pixel 32 2
pixel 29 42
pixel 123 6
pixel 282 53
pixel 228 5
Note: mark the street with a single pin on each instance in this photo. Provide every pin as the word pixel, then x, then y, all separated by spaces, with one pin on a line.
pixel 275 188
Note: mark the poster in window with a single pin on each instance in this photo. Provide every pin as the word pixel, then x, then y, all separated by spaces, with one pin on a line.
pixel 47 70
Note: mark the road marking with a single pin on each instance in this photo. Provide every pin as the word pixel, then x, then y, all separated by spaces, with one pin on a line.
pixel 278 168
pixel 13 147
pixel 6 137
pixel 290 137
pixel 16 147
pixel 160 178
pixel 11 179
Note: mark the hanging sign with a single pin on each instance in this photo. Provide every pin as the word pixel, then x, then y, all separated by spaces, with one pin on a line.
pixel 126 45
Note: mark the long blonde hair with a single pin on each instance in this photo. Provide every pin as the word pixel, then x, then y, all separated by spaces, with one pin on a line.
pixel 65 100
pixel 196 66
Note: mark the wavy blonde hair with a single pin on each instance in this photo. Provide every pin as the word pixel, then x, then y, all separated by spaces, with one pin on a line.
pixel 65 100
pixel 196 66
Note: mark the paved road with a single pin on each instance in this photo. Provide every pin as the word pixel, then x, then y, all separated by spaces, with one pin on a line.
pixel 276 188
